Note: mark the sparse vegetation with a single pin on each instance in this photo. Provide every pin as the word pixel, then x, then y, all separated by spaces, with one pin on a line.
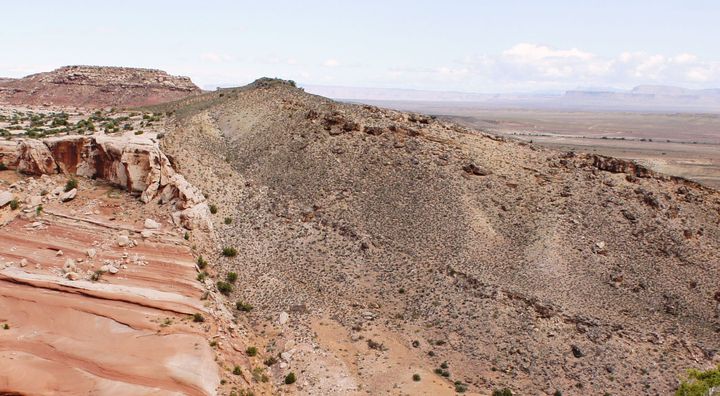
pixel 290 378
pixel 229 252
pixel 201 262
pixel 502 392
pixel 186 236
pixel 213 208
pixel 6 326
pixel 699 383
pixel 224 287
pixel 198 318
pixel 14 204
pixel 460 387
pixel 251 351
pixel 237 370
pixel 71 184
pixel 372 344
pixel 243 306
pixel 258 374
pixel 228 220
pixel 416 377
pixel 96 275
pixel 270 361
pixel 231 277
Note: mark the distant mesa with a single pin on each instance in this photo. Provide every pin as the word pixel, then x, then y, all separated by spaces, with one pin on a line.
pixel 96 86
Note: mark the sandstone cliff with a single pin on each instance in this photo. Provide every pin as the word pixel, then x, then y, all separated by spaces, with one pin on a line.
pixel 136 164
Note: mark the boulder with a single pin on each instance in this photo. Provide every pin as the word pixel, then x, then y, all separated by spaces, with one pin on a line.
pixel 72 276
pixel 151 224
pixel 123 240
pixel 91 252
pixel 283 318
pixel 5 198
pixel 476 170
pixel 34 200
pixel 69 195
pixel 35 158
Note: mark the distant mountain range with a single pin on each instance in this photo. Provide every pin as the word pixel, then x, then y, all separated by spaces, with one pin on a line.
pixel 641 98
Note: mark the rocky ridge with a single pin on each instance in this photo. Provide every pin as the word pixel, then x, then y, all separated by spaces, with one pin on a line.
pixel 513 265
pixel 96 86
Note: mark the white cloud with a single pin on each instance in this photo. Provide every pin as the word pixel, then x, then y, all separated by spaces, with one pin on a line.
pixel 527 66
pixel 331 63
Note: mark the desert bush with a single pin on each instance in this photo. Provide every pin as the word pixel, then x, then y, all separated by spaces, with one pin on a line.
pixel 198 318
pixel 231 277
pixel 14 204
pixel 228 220
pixel 72 183
pixel 213 208
pixel 229 252
pixel 201 262
pixel 224 287
pixel 270 361
pixel 502 392
pixel 699 383
pixel 290 378
pixel 237 370
pixel 243 306
pixel 416 377
pixel 251 351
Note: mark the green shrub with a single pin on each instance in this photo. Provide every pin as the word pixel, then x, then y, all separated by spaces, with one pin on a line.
pixel 228 220
pixel 270 361
pixel 502 392
pixel 243 306
pixel 416 377
pixel 213 208
pixel 14 204
pixel 201 262
pixel 3 166
pixel 6 326
pixel 290 378
pixel 232 277
pixel 699 382
pixel 224 287
pixel 251 351
pixel 138 132
pixel 229 252
pixel 237 370
pixel 198 318
pixel 72 183
pixel 186 236
pixel 460 387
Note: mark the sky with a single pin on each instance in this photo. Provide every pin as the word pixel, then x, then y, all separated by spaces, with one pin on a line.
pixel 468 46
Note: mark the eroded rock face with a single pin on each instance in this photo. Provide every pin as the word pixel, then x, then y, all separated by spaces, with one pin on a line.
pixel 135 164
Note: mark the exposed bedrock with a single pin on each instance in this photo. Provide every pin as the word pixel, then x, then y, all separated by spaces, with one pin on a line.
pixel 134 163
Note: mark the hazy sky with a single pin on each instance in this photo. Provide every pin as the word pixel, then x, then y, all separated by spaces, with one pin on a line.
pixel 479 46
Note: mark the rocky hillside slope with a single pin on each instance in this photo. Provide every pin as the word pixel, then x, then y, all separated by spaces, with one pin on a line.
pixel 95 86
pixel 467 259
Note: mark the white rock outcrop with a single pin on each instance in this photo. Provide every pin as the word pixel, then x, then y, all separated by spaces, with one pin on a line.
pixel 135 163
